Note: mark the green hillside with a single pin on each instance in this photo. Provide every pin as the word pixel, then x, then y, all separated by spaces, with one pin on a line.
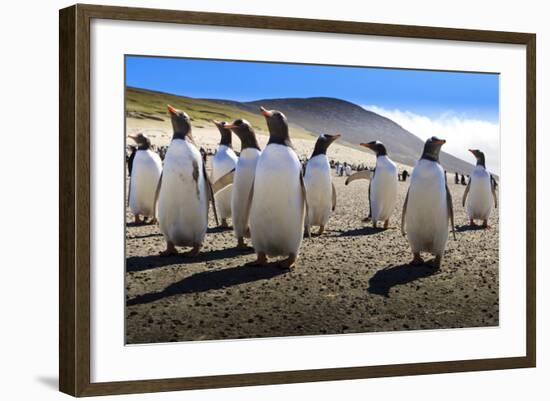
pixel 145 104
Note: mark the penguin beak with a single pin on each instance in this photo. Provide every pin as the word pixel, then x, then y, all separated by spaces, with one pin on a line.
pixel 365 145
pixel 472 151
pixel 265 112
pixel 134 137
pixel 216 122
pixel 172 109
pixel 229 126
pixel 440 142
pixel 336 136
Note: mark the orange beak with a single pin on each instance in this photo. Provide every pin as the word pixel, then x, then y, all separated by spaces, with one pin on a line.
pixel 265 112
pixel 134 137
pixel 365 145
pixel 172 109
pixel 229 126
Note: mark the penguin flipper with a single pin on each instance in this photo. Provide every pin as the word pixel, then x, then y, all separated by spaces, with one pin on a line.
pixel 450 212
pixel 210 193
pixel 223 181
pixel 130 191
pixel 157 192
pixel 365 175
pixel 303 187
pixel 494 190
pixel 404 213
pixel 466 192
pixel 370 203
pixel 333 197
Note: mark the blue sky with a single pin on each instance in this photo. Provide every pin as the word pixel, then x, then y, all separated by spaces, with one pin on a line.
pixel 427 93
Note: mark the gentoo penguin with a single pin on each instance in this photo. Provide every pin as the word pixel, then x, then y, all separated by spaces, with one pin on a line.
pixel 279 198
pixel 243 179
pixel 184 190
pixel 428 206
pixel 480 193
pixel 382 186
pixel 146 168
pixel 320 191
pixel 223 162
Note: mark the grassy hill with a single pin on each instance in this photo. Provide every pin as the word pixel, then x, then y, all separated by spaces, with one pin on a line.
pixel 146 104
pixel 308 118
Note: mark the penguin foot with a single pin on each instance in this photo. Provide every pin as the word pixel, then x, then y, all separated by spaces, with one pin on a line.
pixel 436 263
pixel 288 263
pixel 137 220
pixel 193 252
pixel 170 250
pixel 485 224
pixel 321 230
pixel 472 224
pixel 224 224
pixel 242 247
pixel 261 260
pixel 366 219
pixel 387 224
pixel 417 260
pixel 153 221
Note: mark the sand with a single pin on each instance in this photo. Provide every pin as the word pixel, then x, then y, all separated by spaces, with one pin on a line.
pixel 351 279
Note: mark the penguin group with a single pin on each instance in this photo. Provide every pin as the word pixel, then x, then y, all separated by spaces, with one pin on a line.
pixel 273 200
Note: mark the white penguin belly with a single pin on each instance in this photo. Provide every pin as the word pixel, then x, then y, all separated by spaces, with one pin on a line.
pixel 479 200
pixel 146 170
pixel 277 213
pixel 241 192
pixel 183 201
pixel 223 162
pixel 426 219
pixel 318 183
pixel 383 191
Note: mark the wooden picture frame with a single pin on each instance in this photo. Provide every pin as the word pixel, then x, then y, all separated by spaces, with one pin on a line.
pixel 75 207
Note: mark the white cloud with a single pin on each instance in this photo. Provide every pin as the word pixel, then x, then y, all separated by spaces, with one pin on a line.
pixel 461 133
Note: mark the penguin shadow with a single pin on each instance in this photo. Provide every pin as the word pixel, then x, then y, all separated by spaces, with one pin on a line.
pixel 211 280
pixel 140 263
pixel 468 227
pixel 384 280
pixel 355 232
pixel 145 236
pixel 142 224
pixel 219 229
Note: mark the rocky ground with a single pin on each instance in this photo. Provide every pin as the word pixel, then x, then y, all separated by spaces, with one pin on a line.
pixel 351 279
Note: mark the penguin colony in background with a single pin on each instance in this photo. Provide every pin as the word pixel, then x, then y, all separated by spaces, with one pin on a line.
pixel 273 202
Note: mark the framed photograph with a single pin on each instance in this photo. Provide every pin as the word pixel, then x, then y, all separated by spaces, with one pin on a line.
pixel 249 200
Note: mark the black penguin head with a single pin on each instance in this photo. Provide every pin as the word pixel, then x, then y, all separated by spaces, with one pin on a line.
pixel 323 142
pixel 278 127
pixel 377 147
pixel 224 132
pixel 479 155
pixel 142 141
pixel 432 147
pixel 245 132
pixel 181 123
